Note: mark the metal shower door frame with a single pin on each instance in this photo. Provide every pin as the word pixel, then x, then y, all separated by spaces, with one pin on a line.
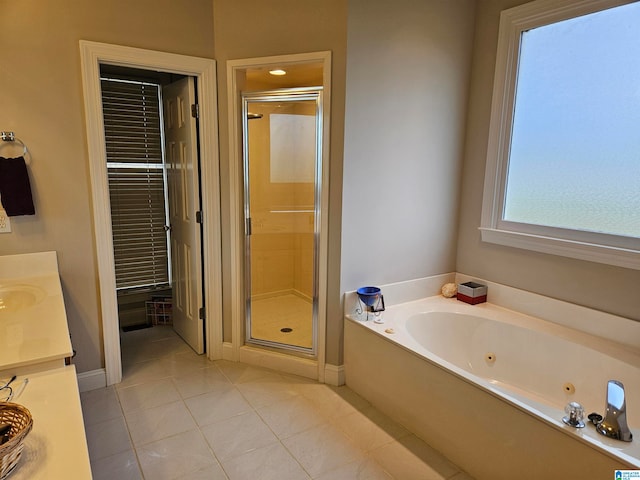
pixel 283 95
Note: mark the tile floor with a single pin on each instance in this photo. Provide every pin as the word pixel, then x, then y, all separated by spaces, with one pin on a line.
pixel 177 415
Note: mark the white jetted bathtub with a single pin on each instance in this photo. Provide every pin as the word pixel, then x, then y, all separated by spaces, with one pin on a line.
pixel 487 386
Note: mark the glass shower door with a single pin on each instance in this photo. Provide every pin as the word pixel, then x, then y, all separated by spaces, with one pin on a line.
pixel 282 141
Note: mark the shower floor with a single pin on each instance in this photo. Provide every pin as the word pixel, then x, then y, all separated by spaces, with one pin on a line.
pixel 270 315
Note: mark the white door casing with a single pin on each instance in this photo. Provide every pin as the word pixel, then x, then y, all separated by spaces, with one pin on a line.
pixel 236 350
pixel 92 55
pixel 184 203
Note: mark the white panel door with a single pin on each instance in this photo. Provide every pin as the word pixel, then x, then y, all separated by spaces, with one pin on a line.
pixel 184 203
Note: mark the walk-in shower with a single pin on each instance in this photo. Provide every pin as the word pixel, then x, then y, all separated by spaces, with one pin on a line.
pixel 282 139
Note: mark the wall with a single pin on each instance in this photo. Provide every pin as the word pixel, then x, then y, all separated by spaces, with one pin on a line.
pixel 41 101
pixel 407 79
pixel 255 28
pixel 610 289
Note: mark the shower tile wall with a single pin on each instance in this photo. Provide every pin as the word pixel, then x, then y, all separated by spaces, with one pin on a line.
pixel 282 240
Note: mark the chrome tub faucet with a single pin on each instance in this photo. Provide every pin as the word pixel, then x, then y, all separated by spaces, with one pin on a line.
pixel 614 424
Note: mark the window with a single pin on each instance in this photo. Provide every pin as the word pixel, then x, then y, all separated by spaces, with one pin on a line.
pixel 137 182
pixel 563 163
pixel 292 146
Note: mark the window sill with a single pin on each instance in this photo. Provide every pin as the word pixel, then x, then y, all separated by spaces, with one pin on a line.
pixel 619 257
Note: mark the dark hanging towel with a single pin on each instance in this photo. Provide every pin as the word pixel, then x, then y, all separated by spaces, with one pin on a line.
pixel 15 189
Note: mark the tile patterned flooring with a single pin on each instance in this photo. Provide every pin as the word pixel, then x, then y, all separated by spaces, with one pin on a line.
pixel 177 415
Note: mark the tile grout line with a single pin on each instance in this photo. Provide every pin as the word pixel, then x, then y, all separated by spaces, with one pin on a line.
pixel 255 410
pixel 199 427
pixel 133 446
pixel 279 439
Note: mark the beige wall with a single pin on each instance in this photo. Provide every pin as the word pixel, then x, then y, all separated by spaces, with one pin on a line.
pixel 255 28
pixel 611 289
pixel 407 80
pixel 41 100
pixel 408 65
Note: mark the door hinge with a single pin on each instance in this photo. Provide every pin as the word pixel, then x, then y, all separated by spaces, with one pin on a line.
pixel 202 314
pixel 248 226
pixel 195 110
pixel 199 216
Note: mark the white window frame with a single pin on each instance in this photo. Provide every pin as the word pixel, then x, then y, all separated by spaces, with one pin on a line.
pixel 596 247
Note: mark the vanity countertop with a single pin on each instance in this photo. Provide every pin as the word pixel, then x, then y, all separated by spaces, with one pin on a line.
pixel 56 447
pixel 34 334
pixel 34 341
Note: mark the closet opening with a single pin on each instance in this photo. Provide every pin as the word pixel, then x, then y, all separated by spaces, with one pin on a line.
pixel 201 242
pixel 154 191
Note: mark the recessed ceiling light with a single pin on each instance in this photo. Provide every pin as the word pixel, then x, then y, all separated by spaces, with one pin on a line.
pixel 277 71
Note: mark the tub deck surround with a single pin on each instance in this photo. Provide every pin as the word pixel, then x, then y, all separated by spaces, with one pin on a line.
pixel 512 401
pixel 401 292
pixel 600 324
pixel 33 323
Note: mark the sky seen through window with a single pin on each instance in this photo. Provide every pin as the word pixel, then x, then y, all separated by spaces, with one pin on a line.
pixel 575 151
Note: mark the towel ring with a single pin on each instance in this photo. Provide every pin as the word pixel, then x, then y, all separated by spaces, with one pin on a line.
pixel 11 137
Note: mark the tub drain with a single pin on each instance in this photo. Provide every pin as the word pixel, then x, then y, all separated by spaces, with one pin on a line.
pixel 286 330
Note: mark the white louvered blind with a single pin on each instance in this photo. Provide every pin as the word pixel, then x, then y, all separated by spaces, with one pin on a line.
pixel 137 182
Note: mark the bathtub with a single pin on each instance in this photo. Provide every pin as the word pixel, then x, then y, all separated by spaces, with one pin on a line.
pixel 487 387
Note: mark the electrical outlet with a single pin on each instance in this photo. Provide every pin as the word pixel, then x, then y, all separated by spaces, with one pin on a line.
pixel 5 223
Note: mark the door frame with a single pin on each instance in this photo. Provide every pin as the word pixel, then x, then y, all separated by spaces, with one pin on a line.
pixel 92 55
pixel 236 350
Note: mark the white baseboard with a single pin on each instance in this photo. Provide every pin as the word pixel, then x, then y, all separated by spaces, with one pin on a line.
pixel 334 374
pixel 92 380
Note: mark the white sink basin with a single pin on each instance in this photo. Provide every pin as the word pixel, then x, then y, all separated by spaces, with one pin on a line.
pixel 16 297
